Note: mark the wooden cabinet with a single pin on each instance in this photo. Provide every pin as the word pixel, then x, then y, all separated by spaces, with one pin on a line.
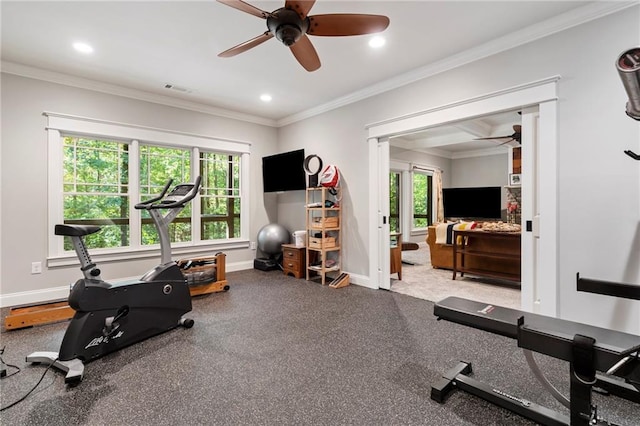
pixel 293 260
pixel 324 236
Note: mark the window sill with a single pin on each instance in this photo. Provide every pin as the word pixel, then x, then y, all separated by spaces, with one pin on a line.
pixel 202 249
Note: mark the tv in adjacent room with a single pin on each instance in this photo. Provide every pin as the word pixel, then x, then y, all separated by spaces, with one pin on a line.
pixel 284 172
pixel 472 203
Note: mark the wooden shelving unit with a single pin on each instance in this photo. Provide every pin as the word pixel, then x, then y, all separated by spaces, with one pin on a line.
pixel 324 237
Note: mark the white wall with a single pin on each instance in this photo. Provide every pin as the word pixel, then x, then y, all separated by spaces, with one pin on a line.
pixel 490 170
pixel 24 173
pixel 598 186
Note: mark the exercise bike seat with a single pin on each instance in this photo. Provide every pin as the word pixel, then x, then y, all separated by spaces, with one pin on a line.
pixel 76 230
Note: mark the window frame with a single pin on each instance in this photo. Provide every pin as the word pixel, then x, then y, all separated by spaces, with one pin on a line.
pixel 399 200
pixel 60 125
pixel 429 175
pixel 407 170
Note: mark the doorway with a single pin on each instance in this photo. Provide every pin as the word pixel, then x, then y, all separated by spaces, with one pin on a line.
pixel 539 238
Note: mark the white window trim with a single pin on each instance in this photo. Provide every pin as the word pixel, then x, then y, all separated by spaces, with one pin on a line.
pixel 421 170
pixel 407 170
pixel 61 124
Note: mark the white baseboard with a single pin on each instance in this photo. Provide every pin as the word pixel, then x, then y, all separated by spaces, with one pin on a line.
pixel 34 296
pixel 46 295
pixel 360 280
pixel 240 266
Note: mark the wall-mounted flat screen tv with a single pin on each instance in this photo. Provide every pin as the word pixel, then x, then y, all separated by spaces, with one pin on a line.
pixel 284 172
pixel 473 203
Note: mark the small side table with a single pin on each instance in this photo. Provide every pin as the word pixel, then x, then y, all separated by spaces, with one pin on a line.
pixel 293 260
pixel 396 254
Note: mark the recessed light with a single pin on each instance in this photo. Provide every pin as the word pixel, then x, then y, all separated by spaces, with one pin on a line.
pixel 83 47
pixel 266 97
pixel 377 41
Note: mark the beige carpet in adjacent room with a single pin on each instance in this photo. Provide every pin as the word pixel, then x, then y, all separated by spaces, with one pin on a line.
pixel 422 281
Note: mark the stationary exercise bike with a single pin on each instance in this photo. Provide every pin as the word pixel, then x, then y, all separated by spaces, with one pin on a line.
pixel 110 316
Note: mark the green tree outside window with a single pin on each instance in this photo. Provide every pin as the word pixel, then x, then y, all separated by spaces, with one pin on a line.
pixel 95 189
pixel 157 166
pixel 394 202
pixel 220 201
pixel 422 204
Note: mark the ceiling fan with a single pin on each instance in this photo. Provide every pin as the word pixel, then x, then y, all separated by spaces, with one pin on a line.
pixel 516 136
pixel 291 25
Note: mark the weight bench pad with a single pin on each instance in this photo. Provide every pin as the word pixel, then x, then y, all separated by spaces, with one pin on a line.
pixel 539 333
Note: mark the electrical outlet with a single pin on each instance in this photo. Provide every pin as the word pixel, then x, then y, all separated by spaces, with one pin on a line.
pixel 36 267
pixel 253 245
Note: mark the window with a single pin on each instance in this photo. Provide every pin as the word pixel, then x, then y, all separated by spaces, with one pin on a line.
pixel 96 189
pixel 103 170
pixel 422 202
pixel 220 196
pixel 394 201
pixel 157 166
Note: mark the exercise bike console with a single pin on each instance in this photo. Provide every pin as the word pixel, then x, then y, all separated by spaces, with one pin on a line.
pixel 111 316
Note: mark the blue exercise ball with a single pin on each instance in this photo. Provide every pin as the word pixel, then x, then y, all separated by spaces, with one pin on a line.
pixel 271 237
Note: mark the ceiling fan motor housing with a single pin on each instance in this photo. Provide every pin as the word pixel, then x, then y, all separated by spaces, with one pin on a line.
pixel 287 26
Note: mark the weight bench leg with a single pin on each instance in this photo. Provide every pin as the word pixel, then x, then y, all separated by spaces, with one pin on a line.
pixel 457 377
pixel 446 384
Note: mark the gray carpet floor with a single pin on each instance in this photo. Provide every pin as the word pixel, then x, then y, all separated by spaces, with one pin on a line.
pixel 276 350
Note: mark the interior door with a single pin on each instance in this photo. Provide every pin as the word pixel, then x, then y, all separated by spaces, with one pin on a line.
pixel 384 260
pixel 530 295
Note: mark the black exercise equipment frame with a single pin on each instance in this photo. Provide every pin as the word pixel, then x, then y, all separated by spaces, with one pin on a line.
pixel 548 336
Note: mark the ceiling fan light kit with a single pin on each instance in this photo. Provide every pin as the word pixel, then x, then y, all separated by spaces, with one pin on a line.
pixel 287 26
pixel 290 24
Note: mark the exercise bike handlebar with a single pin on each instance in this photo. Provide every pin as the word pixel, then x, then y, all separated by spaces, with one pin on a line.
pixel 174 200
pixel 144 204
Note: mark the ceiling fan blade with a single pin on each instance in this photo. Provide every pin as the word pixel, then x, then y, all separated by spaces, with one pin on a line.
pixel 302 7
pixel 346 24
pixel 305 53
pixel 243 47
pixel 517 128
pixel 246 7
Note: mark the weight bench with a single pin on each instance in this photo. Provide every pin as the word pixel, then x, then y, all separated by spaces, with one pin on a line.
pixel 589 350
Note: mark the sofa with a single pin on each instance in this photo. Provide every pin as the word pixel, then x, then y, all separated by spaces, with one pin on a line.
pixel 442 255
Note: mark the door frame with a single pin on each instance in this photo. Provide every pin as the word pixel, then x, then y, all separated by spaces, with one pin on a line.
pixel 539 291
pixel 379 267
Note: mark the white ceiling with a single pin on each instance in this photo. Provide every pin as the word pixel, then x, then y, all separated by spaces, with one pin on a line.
pixel 458 140
pixel 141 46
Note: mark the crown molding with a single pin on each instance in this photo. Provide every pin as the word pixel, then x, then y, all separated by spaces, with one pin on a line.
pixel 112 89
pixel 531 33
